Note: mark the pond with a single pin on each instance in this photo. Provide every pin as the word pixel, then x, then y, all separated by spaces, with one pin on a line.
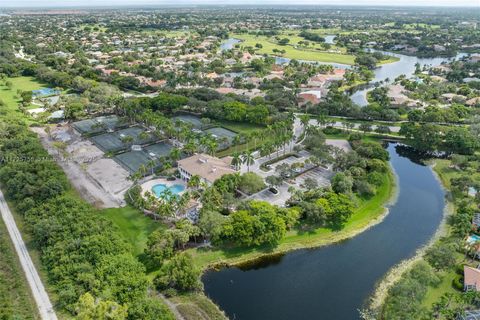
pixel 229 44
pixel 334 281
pixel 329 39
pixel 390 71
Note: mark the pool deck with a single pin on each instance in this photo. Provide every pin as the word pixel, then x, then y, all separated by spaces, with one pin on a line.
pixel 147 186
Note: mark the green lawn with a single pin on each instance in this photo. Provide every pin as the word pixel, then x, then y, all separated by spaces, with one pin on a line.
pixel 294 53
pixel 239 127
pixel 194 306
pixel 366 212
pixel 10 98
pixel 435 293
pixel 134 226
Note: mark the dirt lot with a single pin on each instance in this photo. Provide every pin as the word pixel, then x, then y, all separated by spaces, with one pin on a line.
pixel 101 181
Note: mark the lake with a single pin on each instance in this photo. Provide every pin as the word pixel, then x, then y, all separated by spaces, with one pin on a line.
pixel 229 44
pixel 390 71
pixel 334 281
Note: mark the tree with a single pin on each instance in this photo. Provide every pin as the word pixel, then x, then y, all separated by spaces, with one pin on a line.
pixel 179 273
pixel 441 255
pixel 149 309
pixel 160 247
pixel 365 127
pixel 175 154
pixel 310 183
pixel 211 224
pixel 236 160
pixel 248 159
pixel 460 140
pixel 274 181
pixel 194 181
pixel 250 183
pixel 342 183
pixel 88 308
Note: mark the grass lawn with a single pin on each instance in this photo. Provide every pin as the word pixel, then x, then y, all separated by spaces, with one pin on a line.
pixel 239 127
pixel 133 225
pixel 435 293
pixel 16 300
pixel 9 96
pixel 367 212
pixel 194 306
pixel 294 53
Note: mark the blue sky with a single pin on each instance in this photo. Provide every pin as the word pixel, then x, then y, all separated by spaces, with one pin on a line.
pixel 54 3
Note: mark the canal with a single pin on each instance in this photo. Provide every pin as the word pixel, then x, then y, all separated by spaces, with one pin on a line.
pixel 334 281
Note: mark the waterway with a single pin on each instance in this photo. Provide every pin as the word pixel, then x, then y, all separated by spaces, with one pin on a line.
pixel 390 71
pixel 334 281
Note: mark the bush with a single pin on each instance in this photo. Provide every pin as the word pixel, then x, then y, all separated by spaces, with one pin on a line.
pixel 457 282
pixel 332 130
pixel 251 183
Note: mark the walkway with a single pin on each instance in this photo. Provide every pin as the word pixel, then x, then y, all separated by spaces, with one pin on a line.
pixel 45 307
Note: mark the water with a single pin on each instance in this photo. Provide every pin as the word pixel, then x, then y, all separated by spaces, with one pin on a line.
pixel 333 282
pixel 159 189
pixel 390 71
pixel 229 44
pixel 329 39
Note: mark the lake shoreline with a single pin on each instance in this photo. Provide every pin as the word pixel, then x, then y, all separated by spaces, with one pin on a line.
pixel 396 273
pixel 321 241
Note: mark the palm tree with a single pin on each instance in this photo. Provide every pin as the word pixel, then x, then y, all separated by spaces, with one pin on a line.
pixel 143 170
pixel 248 159
pixel 194 181
pixel 304 119
pixel 151 164
pixel 236 141
pixel 236 160
pixel 212 147
pixel 190 148
pixel 175 154
pixel 322 120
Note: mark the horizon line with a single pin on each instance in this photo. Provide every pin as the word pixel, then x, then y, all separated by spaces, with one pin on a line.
pixel 191 5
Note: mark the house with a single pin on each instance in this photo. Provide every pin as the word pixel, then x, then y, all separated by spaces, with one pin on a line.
pixel 312 96
pixel 471 279
pixel 469 315
pixel 208 168
pixel 397 96
pixel 473 102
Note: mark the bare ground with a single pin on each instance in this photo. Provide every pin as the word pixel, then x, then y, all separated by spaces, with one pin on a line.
pixel 100 181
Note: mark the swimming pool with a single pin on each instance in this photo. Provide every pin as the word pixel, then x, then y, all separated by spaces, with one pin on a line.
pixel 473 239
pixel 159 189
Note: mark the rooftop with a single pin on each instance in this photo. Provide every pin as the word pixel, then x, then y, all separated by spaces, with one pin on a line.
pixel 207 167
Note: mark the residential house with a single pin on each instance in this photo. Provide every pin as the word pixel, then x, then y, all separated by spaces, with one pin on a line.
pixel 471 281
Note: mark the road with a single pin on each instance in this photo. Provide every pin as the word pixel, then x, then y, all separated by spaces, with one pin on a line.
pixel 45 307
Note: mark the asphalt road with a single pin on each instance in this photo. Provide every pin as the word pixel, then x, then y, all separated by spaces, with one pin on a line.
pixel 45 307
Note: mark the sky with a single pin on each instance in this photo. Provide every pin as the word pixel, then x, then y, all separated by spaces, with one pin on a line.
pixel 89 3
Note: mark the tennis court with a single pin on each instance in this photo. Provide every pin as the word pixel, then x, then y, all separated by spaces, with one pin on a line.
pixel 99 124
pixel 158 150
pixel 122 139
pixel 108 142
pixel 222 135
pixel 193 120
pixel 133 160
pixel 44 92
